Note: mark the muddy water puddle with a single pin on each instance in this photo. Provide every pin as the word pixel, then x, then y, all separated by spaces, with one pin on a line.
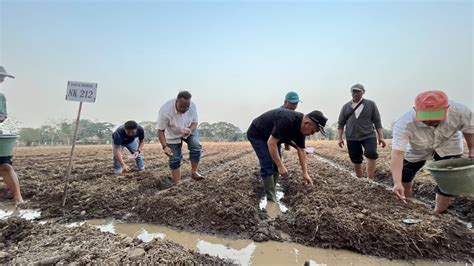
pixel 246 252
pixel 8 210
pixel 274 208
pixel 240 251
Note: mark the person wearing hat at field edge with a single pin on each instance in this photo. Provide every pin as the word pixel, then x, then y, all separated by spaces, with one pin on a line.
pixel 278 126
pixel 291 101
pixel 361 119
pixel 432 130
pixel 6 169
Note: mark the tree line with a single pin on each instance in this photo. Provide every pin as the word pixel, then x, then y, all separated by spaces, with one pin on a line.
pixel 92 132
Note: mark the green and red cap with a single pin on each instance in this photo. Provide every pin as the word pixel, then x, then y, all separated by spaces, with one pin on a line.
pixel 431 106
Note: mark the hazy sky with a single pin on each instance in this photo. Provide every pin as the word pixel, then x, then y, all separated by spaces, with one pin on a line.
pixel 238 59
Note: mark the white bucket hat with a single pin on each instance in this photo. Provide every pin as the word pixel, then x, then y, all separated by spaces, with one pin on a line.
pixel 4 73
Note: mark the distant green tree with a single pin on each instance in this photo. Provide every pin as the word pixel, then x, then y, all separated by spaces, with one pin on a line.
pixel 49 134
pixel 103 131
pixel 221 131
pixel 65 130
pixel 86 131
pixel 30 136
pixel 206 131
pixel 94 132
pixel 151 133
pixel 331 133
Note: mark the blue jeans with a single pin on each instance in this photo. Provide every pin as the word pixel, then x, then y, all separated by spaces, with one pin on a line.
pixel 267 165
pixel 194 148
pixel 132 147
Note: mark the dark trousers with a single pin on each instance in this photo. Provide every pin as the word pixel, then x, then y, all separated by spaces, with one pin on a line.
pixel 267 165
pixel 411 168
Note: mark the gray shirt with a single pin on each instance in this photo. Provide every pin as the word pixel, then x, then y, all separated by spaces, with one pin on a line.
pixel 363 126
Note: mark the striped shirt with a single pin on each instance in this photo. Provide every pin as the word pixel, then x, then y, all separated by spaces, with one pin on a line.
pixel 419 141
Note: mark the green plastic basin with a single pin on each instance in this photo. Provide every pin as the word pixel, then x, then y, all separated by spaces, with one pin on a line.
pixel 7 142
pixel 454 176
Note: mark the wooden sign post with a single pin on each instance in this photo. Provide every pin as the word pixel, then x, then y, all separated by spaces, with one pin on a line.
pixel 77 92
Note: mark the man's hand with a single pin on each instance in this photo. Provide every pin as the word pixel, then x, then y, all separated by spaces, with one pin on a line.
pixel 186 132
pixel 382 143
pixel 341 143
pixel 307 180
pixel 399 191
pixel 283 171
pixel 125 168
pixel 168 151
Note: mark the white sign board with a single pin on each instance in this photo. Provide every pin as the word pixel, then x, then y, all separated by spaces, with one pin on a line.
pixel 81 91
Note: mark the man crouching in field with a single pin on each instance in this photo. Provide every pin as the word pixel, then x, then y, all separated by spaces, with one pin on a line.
pixel 126 137
pixel 282 126
pixel 432 130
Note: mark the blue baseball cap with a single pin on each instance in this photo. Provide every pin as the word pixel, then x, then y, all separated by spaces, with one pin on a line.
pixel 292 97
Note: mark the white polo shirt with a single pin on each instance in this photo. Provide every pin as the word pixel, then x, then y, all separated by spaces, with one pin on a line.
pixel 419 141
pixel 172 121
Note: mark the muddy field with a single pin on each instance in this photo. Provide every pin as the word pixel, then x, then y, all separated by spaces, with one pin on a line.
pixel 338 212
pixel 25 242
pixel 423 188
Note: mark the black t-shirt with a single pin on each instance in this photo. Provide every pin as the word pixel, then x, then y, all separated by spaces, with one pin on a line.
pixel 280 123
pixel 121 138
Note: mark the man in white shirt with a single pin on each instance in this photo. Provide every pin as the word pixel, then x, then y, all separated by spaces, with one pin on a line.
pixel 177 122
pixel 433 129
